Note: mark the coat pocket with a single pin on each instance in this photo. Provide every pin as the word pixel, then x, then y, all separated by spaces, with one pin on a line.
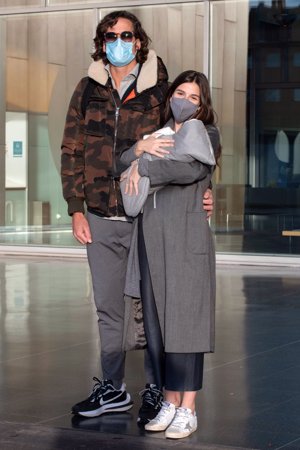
pixel 197 232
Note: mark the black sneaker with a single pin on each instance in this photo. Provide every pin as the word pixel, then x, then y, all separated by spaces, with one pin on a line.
pixel 152 399
pixel 103 399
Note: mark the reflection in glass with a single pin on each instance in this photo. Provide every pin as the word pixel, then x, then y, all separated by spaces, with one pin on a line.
pixel 261 141
pixel 9 4
pixel 45 56
pixel 49 55
pixel 254 72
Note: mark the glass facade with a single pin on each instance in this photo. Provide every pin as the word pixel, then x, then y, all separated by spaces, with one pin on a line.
pixel 249 50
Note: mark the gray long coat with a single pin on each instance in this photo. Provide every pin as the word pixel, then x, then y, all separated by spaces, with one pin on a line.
pixel 180 251
pixel 181 256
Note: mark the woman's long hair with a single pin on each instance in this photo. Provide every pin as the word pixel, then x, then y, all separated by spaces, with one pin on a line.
pixel 109 21
pixel 205 112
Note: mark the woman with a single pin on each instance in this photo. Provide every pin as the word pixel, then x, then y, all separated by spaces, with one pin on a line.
pixel 177 259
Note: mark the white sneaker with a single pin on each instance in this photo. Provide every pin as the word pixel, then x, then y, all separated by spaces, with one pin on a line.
pixel 163 418
pixel 184 424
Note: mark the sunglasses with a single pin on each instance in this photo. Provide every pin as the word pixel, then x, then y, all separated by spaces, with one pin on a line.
pixel 126 36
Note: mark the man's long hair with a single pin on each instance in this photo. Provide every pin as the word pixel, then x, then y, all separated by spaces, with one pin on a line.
pixel 205 111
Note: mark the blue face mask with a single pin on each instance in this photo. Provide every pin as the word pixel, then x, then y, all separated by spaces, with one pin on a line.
pixel 119 53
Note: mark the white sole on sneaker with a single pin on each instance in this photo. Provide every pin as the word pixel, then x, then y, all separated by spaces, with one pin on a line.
pixel 163 418
pixel 179 435
pixel 117 407
pixel 156 427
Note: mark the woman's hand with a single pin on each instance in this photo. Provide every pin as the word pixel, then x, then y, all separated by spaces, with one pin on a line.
pixel 132 178
pixel 153 145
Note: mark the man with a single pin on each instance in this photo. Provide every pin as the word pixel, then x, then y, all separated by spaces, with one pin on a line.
pixel 120 101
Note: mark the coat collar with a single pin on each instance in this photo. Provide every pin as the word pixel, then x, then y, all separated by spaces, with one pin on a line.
pixel 146 79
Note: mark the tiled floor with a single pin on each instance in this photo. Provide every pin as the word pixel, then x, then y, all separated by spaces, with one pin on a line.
pixel 49 354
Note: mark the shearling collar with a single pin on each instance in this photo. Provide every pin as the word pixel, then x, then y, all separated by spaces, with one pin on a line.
pixel 146 79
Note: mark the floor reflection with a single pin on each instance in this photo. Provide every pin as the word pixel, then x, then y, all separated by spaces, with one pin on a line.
pixel 49 353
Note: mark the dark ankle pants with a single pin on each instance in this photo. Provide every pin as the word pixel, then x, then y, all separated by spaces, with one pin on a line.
pixel 173 371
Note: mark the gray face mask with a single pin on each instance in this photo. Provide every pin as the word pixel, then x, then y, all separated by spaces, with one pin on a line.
pixel 182 109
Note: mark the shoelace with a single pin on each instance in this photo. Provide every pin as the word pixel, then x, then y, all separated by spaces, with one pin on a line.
pixel 150 395
pixel 163 412
pixel 181 418
pixel 99 387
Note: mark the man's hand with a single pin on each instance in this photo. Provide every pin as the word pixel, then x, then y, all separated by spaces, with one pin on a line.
pixel 81 228
pixel 208 202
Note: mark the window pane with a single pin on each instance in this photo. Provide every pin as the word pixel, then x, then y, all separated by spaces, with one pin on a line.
pixel 73 2
pixel 18 3
pixel 45 57
pixel 254 75
pixel 174 31
pixel 229 61
pixel 255 95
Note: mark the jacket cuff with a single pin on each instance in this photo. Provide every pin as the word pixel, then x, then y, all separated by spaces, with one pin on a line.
pixel 143 167
pixel 75 204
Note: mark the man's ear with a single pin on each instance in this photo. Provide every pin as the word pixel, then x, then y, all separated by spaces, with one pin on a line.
pixel 137 44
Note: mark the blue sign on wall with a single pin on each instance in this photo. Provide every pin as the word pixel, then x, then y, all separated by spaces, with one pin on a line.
pixel 17 149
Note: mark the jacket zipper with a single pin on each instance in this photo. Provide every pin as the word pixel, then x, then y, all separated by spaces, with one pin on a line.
pixel 114 165
pixel 117 112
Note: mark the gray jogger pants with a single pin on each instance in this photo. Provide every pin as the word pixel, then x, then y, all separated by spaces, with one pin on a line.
pixel 107 256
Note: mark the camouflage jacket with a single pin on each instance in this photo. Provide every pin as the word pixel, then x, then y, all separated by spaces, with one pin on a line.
pixel 95 139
